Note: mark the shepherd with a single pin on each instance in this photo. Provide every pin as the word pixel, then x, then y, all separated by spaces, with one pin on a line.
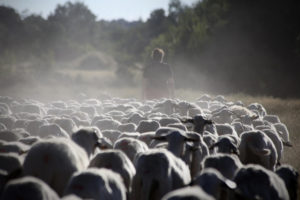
pixel 158 80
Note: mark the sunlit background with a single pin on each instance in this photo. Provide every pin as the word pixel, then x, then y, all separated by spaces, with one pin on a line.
pixel 62 48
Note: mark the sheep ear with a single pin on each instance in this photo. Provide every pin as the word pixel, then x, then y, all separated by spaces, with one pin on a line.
pixel 287 144
pixel 264 151
pixel 229 184
pixel 161 138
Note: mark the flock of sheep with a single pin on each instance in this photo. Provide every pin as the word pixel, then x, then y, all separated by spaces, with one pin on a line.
pixel 156 149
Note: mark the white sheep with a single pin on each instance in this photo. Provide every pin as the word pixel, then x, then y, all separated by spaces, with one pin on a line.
pixel 257 148
pixel 113 135
pixel 107 124
pixel 272 119
pixel 176 140
pixel 226 164
pixel 146 137
pixel 256 182
pixel 52 130
pixel 213 183
pixel 67 124
pixel 10 162
pixel 290 177
pixel 118 162
pixel 97 184
pixel 9 136
pixel 157 173
pixel 190 193
pixel 257 107
pixel 147 125
pixel 225 144
pixel 130 146
pixel 88 138
pixel 13 147
pixel 128 127
pixel 276 141
pixel 283 133
pixel 54 161
pixel 28 188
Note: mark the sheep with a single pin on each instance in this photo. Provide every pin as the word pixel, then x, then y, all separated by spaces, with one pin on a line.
pixel 113 135
pixel 30 140
pixel 128 127
pixel 8 121
pixel 129 135
pixel 165 121
pixel 80 123
pixel 10 162
pixel 130 146
pixel 4 109
pixel 204 97
pixel 147 125
pixel 28 188
pixel 135 118
pixel 2 127
pixel 225 144
pixel 67 124
pixel 20 123
pixel 176 140
pixel 167 107
pixel 54 161
pixel 178 125
pixel 240 128
pixel 34 126
pixel 71 197
pixel 195 152
pixel 210 140
pixel 227 129
pixel 157 173
pixel 190 193
pixel 107 124
pixel 88 138
pixel 258 108
pixel 98 184
pixel 199 123
pixel 256 182
pixel 226 164
pixel 21 132
pixel 283 133
pixel 276 141
pixel 90 110
pixel 214 183
pixel 13 147
pixel 222 116
pixel 290 177
pixel 9 136
pixel 257 148
pixel 202 104
pixel 272 119
pixel 116 161
pixel 52 130
pixel 146 137
pixel 115 114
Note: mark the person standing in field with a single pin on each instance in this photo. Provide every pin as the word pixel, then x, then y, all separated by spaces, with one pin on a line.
pixel 158 81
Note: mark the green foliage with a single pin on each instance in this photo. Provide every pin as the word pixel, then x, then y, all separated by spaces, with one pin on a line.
pixel 235 45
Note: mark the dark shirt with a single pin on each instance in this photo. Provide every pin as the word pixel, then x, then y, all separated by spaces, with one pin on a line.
pixel 157 74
